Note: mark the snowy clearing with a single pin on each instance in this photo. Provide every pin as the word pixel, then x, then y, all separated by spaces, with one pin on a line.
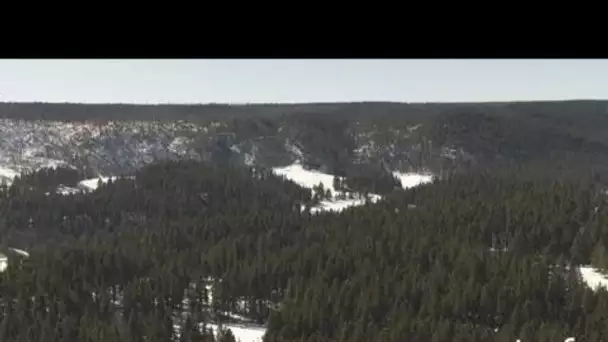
pixel 339 205
pixel 91 184
pixel 311 178
pixel 66 190
pixel 410 180
pixel 305 178
pixel 242 332
pixel 8 174
pixel 593 278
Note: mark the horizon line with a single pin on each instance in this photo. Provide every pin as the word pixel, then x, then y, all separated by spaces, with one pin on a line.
pixel 240 104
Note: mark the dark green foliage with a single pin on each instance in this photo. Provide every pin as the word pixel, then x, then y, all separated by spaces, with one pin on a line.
pixel 338 137
pixel 449 261
pixel 489 254
pixel 371 179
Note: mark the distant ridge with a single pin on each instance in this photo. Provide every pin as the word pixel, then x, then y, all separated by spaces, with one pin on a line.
pixel 219 111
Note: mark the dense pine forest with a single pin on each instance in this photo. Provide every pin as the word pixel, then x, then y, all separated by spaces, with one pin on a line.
pixel 186 249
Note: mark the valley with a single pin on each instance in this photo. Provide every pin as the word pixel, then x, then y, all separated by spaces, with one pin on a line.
pixel 284 223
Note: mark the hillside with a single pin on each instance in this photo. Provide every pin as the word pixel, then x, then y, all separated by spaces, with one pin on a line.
pixel 321 222
pixel 355 140
pixel 476 257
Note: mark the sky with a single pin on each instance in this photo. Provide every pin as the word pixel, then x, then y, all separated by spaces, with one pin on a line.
pixel 238 81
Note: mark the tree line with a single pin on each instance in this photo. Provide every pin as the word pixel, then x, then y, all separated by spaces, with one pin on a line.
pixel 186 246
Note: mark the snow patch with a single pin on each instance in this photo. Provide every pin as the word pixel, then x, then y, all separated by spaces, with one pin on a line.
pixel 66 190
pixel 20 252
pixel 242 332
pixel 7 173
pixel 295 150
pixel 4 258
pixel 311 178
pixel 339 205
pixel 593 277
pixel 449 153
pixel 305 178
pixel 91 184
pixel 413 128
pixel 249 159
pixel 410 180
pixel 3 262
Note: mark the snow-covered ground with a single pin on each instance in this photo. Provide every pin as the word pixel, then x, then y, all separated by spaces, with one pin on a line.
pixel 305 178
pixel 3 262
pixel 339 205
pixel 593 277
pixel 242 332
pixel 20 251
pixel 4 258
pixel 91 184
pixel 8 175
pixel 66 190
pixel 410 180
pixel 311 178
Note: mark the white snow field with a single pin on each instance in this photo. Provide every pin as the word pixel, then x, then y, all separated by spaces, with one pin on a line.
pixel 8 175
pixel 410 180
pixel 593 278
pixel 91 184
pixel 305 178
pixel 311 178
pixel 242 332
pixel 66 190
pixel 339 205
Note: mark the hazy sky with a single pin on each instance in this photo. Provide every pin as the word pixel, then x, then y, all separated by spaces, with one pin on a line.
pixel 255 81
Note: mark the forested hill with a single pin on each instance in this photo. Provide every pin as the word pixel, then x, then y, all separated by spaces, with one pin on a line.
pixel 346 139
pixel 316 222
pixel 186 251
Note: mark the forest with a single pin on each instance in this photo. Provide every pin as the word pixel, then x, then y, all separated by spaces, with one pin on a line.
pixel 185 250
pixel 478 257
